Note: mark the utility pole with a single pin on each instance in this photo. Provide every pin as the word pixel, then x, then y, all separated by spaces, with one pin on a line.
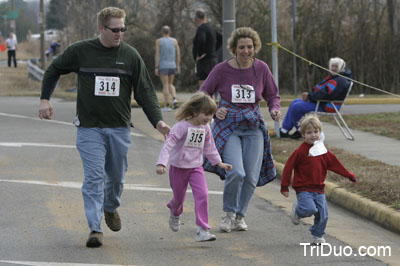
pixel 274 54
pixel 42 29
pixel 228 25
pixel 13 26
pixel 294 47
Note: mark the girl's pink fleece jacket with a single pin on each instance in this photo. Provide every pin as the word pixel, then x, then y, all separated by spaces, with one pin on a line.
pixel 183 156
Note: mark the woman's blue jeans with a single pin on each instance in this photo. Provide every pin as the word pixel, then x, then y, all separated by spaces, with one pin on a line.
pixel 104 157
pixel 244 151
pixel 313 203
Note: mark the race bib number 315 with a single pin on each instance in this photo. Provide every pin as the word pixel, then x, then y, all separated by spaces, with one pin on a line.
pixel 195 137
pixel 106 86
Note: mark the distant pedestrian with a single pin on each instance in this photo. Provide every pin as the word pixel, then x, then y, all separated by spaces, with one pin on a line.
pixel 188 140
pixel 205 44
pixel 53 49
pixel 167 62
pixel 310 162
pixel 11 43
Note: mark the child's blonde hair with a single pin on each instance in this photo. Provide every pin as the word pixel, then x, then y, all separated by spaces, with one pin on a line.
pixel 309 120
pixel 198 103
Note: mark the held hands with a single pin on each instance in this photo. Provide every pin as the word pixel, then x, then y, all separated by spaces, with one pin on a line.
pixel 221 113
pixel 163 128
pixel 225 166
pixel 45 109
pixel 161 169
pixel 285 193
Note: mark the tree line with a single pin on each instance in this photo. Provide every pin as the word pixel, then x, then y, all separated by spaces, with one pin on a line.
pixel 364 33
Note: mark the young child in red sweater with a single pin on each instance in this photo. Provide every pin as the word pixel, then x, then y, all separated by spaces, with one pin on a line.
pixel 310 162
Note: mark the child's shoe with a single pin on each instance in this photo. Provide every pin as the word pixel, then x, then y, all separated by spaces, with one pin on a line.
pixel 318 240
pixel 174 222
pixel 203 235
pixel 228 222
pixel 294 217
pixel 240 225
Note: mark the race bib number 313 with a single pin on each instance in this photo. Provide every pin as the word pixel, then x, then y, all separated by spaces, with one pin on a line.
pixel 243 94
pixel 106 86
pixel 195 137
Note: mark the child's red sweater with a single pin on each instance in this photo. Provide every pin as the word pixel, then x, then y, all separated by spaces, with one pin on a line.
pixel 310 172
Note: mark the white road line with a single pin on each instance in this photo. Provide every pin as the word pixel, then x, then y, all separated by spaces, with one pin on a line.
pixel 139 187
pixel 41 263
pixel 38 119
pixel 56 121
pixel 21 144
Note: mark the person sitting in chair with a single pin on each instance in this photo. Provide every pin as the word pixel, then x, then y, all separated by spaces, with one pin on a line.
pixel 333 87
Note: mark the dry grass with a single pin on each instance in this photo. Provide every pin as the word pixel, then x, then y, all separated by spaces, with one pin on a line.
pixel 384 124
pixel 375 180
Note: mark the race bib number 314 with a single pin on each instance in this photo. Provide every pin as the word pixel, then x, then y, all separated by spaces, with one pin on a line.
pixel 107 86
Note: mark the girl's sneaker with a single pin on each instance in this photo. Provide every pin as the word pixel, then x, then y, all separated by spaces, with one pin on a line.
pixel 203 235
pixel 174 222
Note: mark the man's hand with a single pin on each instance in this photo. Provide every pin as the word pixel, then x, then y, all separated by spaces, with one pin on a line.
pixel 163 128
pixel 198 58
pixel 285 193
pixel 45 110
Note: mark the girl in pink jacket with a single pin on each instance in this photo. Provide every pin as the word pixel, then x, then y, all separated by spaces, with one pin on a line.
pixel 188 141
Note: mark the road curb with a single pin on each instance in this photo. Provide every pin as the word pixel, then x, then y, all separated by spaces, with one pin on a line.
pixel 374 211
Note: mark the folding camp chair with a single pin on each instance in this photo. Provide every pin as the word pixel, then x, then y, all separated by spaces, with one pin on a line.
pixel 344 128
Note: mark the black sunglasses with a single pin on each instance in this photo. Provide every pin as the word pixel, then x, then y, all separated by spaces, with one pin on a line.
pixel 116 30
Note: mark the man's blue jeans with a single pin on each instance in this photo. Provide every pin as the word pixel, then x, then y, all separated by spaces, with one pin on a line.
pixel 313 203
pixel 244 151
pixel 104 157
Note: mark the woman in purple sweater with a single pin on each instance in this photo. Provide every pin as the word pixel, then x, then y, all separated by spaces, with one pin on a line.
pixel 239 130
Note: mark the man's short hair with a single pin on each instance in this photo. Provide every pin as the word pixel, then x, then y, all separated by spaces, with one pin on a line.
pixel 166 30
pixel 200 13
pixel 104 16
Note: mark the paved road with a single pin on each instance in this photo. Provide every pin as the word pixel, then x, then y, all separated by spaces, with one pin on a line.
pixel 42 221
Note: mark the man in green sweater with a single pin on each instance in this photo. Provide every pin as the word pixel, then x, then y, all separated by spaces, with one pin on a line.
pixel 109 71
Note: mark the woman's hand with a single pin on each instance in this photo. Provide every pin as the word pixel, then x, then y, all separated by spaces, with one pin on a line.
pixel 221 113
pixel 276 115
pixel 225 166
